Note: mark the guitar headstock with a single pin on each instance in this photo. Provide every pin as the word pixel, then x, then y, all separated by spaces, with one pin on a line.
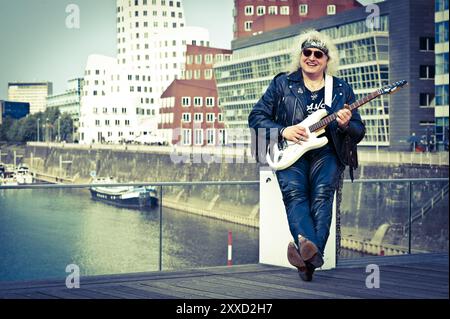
pixel 391 88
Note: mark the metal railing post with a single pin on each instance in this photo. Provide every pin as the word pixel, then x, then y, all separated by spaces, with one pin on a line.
pixel 410 216
pixel 160 226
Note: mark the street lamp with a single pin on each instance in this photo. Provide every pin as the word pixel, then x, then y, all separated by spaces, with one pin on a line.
pixel 47 133
pixel 38 129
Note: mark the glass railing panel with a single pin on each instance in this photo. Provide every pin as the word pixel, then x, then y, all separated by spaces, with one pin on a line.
pixel 429 231
pixel 44 230
pixel 372 219
pixel 199 219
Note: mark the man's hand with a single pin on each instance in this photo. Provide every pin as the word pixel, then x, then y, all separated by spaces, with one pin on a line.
pixel 295 134
pixel 343 117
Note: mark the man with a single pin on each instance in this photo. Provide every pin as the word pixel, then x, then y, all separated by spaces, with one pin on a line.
pixel 308 185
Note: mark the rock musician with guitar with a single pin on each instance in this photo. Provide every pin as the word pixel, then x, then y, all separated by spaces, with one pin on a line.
pixel 317 129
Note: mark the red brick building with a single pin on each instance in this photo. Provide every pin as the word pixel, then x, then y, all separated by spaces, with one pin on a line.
pixel 252 17
pixel 190 112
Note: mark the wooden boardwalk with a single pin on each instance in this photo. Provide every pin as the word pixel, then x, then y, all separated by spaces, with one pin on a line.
pixel 406 276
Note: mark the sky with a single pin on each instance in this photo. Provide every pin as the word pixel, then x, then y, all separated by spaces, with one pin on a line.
pixel 36 45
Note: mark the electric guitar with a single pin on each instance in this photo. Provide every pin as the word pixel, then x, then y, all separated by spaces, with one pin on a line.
pixel 315 125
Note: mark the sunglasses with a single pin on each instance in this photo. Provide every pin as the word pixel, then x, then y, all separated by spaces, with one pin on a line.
pixel 317 54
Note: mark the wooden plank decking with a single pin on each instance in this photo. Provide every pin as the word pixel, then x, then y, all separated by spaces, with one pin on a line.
pixel 408 276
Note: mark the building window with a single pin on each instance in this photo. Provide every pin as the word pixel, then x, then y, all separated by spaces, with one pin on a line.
pixel 117 122
pixel 426 44
pixel 426 99
pixel 189 59
pixel 107 122
pixel 220 117
pixel 442 63
pixel 198 137
pixel 273 10
pixel 248 25
pixel 210 101
pixel 124 110
pixel 208 74
pixel 248 10
pixel 186 137
pixel 441 35
pixel 210 136
pixel 97 122
pixel 331 9
pixel 210 117
pixel 427 72
pixel 105 110
pixel 198 101
pixel 198 117
pixel 284 10
pixel 186 101
pixel 303 9
pixel 127 122
pixel 186 118
pixel 197 74
pixel 441 5
pixel 222 137
pixel 198 59
pixel 188 74
pixel 208 59
pixel 219 57
pixel 441 95
pixel 260 10
pixel 115 110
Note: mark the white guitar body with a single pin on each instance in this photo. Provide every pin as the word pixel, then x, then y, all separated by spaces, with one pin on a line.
pixel 293 151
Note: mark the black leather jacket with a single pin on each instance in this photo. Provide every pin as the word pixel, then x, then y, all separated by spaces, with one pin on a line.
pixel 281 106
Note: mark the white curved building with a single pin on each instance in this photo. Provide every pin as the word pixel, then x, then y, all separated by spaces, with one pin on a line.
pixel 121 96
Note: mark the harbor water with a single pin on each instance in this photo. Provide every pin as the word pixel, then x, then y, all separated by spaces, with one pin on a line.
pixel 42 231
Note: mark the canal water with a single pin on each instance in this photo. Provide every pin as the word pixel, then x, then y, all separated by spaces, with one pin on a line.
pixel 42 231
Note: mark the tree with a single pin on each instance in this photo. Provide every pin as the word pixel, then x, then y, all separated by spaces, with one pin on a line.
pixel 66 127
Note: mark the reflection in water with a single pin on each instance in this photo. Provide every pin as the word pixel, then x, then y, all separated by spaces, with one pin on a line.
pixel 42 231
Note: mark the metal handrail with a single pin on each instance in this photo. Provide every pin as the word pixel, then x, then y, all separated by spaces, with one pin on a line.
pixel 356 181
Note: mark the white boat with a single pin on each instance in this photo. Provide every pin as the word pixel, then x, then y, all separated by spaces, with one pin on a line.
pixel 8 178
pixel 23 175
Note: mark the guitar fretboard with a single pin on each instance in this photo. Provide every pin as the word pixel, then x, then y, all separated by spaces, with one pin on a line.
pixel 330 118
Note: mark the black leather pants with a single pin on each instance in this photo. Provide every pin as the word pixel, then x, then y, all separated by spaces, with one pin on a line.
pixel 308 188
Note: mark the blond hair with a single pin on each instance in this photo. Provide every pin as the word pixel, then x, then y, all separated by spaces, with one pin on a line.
pixel 311 34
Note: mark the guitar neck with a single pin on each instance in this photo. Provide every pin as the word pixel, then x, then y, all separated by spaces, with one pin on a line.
pixel 330 118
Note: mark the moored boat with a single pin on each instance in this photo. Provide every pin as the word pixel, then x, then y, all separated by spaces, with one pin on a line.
pixel 23 175
pixel 124 196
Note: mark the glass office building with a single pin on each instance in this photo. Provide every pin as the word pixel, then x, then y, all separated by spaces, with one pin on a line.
pixel 442 75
